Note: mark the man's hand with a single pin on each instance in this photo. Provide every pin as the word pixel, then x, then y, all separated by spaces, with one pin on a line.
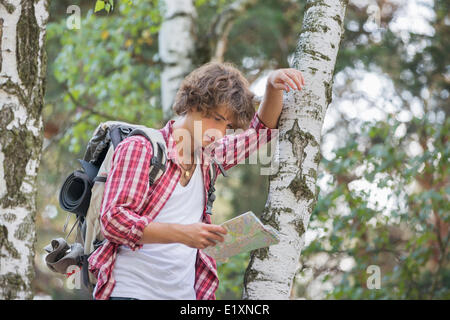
pixel 282 79
pixel 201 235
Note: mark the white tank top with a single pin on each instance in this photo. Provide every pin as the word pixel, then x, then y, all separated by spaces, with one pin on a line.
pixel 163 271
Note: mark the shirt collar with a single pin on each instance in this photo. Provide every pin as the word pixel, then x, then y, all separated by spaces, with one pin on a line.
pixel 167 131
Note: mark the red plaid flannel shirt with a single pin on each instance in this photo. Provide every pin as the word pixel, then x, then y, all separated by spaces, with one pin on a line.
pixel 130 203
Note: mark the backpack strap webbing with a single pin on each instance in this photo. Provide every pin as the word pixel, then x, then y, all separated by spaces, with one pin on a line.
pixel 211 195
pixel 213 176
pixel 118 133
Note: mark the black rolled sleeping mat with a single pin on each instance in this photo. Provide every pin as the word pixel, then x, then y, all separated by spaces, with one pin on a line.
pixel 75 194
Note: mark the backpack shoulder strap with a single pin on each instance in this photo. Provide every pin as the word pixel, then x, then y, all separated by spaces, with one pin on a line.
pixel 159 157
pixel 212 181
pixel 211 190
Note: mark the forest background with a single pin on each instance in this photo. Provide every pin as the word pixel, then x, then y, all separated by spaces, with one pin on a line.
pixel 383 175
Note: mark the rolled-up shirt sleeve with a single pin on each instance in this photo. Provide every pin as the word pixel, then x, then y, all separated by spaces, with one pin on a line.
pixel 125 192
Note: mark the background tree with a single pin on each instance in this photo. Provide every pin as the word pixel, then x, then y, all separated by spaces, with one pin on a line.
pixel 176 47
pixel 22 86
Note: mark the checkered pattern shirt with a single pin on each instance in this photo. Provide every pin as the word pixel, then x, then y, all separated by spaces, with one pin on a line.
pixel 129 203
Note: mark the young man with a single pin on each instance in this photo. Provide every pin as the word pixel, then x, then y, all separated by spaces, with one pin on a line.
pixel 167 221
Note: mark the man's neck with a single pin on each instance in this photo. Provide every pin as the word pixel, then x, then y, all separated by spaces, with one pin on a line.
pixel 181 143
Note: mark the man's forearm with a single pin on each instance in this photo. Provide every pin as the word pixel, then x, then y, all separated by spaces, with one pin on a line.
pixel 197 235
pixel 271 106
pixel 160 232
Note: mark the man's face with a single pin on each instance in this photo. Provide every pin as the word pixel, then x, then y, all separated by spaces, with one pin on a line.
pixel 212 128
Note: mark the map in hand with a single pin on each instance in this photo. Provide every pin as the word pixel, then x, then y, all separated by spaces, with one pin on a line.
pixel 245 233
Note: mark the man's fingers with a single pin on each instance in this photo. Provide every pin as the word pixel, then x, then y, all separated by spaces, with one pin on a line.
pixel 215 236
pixel 216 228
pixel 295 75
pixel 205 244
pixel 287 79
pixel 211 243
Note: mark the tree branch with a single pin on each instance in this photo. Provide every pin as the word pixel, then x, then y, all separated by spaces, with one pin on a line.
pixel 60 135
pixel 141 59
pixel 221 27
pixel 90 111
pixel 89 108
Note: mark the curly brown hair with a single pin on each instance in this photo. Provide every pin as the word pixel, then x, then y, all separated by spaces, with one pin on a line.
pixel 215 84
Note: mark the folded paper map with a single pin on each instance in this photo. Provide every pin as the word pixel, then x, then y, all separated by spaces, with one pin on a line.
pixel 245 233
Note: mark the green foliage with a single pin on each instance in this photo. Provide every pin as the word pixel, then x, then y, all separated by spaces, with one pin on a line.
pixel 409 239
pixel 231 277
pixel 106 69
pixel 107 5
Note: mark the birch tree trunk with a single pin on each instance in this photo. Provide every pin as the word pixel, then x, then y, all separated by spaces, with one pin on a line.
pixel 22 85
pixel 176 48
pixel 292 190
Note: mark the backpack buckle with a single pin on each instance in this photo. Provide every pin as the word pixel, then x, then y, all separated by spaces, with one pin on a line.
pixel 125 130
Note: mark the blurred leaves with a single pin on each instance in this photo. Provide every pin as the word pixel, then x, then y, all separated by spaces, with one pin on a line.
pixel 103 69
pixel 407 239
pixel 107 5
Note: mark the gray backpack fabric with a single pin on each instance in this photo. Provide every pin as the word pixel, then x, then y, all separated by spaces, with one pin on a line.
pixel 82 193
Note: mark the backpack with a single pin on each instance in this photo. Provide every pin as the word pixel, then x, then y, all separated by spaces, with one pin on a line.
pixel 82 193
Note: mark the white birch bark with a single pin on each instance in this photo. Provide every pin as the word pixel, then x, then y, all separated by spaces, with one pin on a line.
pixel 292 190
pixel 22 85
pixel 176 40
